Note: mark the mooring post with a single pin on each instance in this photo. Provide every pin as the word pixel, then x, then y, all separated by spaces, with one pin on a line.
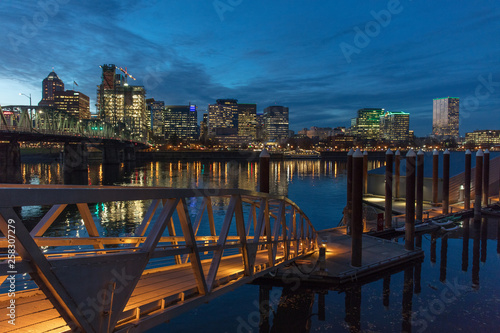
pixel 486 177
pixel 348 212
pixel 397 172
pixel 357 208
pixel 365 172
pixel 467 180
pixel 389 156
pixel 478 185
pixel 264 171
pixel 420 185
pixel 435 177
pixel 446 181
pixel 410 201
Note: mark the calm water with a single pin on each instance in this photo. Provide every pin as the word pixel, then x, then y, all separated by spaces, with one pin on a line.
pixel 455 288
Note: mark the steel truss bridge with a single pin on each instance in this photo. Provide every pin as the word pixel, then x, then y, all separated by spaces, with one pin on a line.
pixel 167 267
pixel 61 127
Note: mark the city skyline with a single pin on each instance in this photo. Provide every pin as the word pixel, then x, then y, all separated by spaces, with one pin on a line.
pixel 324 62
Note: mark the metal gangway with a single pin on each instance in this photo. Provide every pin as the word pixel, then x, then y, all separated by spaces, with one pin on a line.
pixel 130 284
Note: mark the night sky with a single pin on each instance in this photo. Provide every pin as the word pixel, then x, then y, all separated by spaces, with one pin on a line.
pixel 323 59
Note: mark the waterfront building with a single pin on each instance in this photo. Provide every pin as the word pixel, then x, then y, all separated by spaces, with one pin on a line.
pixel 72 102
pixel 247 121
pixel 157 116
pixel 260 126
pixel 276 123
pixel 320 133
pixel 483 138
pixel 121 104
pixel 223 117
pixel 181 121
pixel 50 85
pixel 367 124
pixel 445 117
pixel 395 126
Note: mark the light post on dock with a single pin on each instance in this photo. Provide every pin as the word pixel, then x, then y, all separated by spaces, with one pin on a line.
pixel 410 201
pixel 446 181
pixel 389 156
pixel 397 172
pixel 348 212
pixel 264 171
pixel 357 208
pixel 435 175
pixel 486 177
pixel 467 179
pixel 478 185
pixel 420 184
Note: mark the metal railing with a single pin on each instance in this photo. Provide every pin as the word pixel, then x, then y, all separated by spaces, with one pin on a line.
pixel 166 248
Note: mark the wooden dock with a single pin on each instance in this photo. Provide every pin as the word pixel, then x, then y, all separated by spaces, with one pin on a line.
pixel 378 255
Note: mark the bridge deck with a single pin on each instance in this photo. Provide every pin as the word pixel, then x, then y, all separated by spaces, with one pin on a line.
pixel 35 313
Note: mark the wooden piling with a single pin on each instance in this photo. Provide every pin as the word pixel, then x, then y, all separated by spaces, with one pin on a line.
pixel 467 179
pixel 410 201
pixel 365 172
pixel 420 185
pixel 446 181
pixel 389 156
pixel 486 177
pixel 435 177
pixel 478 185
pixel 357 208
pixel 348 212
pixel 397 163
pixel 264 171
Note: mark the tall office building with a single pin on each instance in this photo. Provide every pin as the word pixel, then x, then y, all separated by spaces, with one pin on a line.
pixel 72 102
pixel 395 126
pixel 223 117
pixel 121 104
pixel 367 124
pixel 50 85
pixel 247 121
pixel 182 121
pixel 276 123
pixel 156 116
pixel 204 127
pixel 445 114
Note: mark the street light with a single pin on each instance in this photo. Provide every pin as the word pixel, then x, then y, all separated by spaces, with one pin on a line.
pixel 31 109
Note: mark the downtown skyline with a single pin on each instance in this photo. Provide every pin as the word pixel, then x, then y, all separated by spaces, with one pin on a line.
pixel 324 61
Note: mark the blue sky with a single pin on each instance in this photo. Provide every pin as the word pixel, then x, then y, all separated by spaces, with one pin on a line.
pixel 322 59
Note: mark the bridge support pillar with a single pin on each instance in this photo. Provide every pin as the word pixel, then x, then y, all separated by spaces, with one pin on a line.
pixel 128 154
pixel 111 154
pixel 10 163
pixel 75 157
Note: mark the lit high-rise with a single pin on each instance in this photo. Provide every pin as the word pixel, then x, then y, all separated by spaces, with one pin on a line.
pixel 50 85
pixel 223 117
pixel 276 123
pixel 72 102
pixel 445 116
pixel 247 121
pixel 367 125
pixel 181 121
pixel 395 126
pixel 121 104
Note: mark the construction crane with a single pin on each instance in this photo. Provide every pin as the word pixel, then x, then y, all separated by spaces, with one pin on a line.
pixel 126 74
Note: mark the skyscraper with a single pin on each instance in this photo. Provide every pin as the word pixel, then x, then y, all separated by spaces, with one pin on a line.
pixel 156 116
pixel 72 102
pixel 50 85
pixel 247 121
pixel 445 116
pixel 367 124
pixel 223 117
pixel 395 126
pixel 121 104
pixel 276 123
pixel 182 121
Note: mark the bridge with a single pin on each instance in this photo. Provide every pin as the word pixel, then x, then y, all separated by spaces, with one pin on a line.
pixel 95 283
pixel 116 144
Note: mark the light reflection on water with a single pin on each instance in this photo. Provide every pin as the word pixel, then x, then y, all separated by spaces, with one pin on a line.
pixel 468 259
